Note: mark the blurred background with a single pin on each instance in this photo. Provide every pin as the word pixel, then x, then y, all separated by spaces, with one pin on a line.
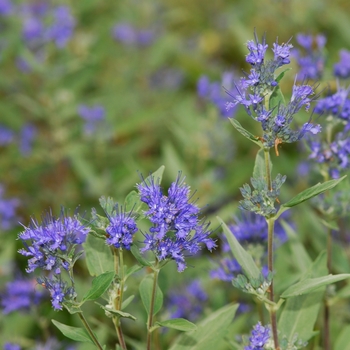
pixel 94 93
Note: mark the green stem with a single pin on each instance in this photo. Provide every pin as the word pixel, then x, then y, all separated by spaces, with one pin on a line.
pixel 151 309
pixel 271 226
pixel 89 330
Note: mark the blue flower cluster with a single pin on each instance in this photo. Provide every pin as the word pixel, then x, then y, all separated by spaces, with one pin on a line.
pixel 342 68
pixel 8 206
pixel 121 229
pixel 311 61
pixel 259 337
pixel 256 88
pixel 176 228
pixel 214 92
pixel 53 248
pixel 20 295
pixel 127 34
pixel 335 153
pixel 188 302
pixel 92 116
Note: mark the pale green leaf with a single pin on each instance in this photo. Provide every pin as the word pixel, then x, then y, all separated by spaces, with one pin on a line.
pixel 145 288
pixel 342 342
pixel 178 323
pixel 74 333
pixel 99 258
pixel 100 284
pixel 244 259
pixel 276 98
pixel 259 170
pixel 245 132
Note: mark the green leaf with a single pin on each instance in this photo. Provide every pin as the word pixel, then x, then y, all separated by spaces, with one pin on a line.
pixel 72 307
pixel 276 98
pixel 107 204
pixel 259 165
pixel 343 293
pixel 312 284
pixel 131 270
pixel 157 175
pixel 135 251
pixel 312 192
pixel 118 313
pixel 281 75
pixel 99 258
pixel 145 289
pixel 300 256
pixel 300 313
pixel 245 132
pixel 100 284
pixel 332 224
pixel 178 323
pixel 127 301
pixel 209 331
pixel 132 202
pixel 74 333
pixel 243 257
pixel 342 342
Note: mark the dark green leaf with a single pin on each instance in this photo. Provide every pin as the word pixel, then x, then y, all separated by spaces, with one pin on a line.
pixel 145 288
pixel 243 257
pixel 99 258
pixel 136 253
pixel 312 284
pixel 312 192
pixel 100 284
pixel 245 132
pixel 178 323
pixel 281 75
pixel 74 333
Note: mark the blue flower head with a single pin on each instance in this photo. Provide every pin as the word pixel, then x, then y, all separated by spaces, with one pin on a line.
pixel 259 337
pixel 176 228
pixel 342 68
pixel 254 91
pixel 53 242
pixel 121 229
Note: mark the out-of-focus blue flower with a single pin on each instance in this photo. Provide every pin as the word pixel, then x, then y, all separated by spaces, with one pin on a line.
pixel 342 68
pixel 167 78
pixel 121 229
pixel 261 82
pixel 127 34
pixel 92 116
pixel 259 337
pixel 312 60
pixel 12 346
pixel 27 135
pixel 20 295
pixel 215 92
pixel 61 30
pixel 8 206
pixel 32 29
pixel 51 240
pixel 176 228
pixel 187 302
pixel 6 7
pixel 6 135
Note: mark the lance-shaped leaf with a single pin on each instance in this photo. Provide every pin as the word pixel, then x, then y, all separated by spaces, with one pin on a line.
pixel 99 285
pixel 312 192
pixel 145 288
pixel 311 284
pixel 135 251
pixel 74 333
pixel 118 313
pixel 157 175
pixel 99 258
pixel 260 166
pixel 276 98
pixel 177 323
pixel 243 257
pixel 132 202
pixel 245 132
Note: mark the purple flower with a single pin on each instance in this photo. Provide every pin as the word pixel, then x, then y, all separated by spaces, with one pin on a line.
pixel 342 68
pixel 312 60
pixel 20 295
pixel 8 206
pixel 51 240
pixel 6 7
pixel 32 29
pixel 6 135
pixel 27 136
pixel 61 30
pixel 127 34
pixel 11 346
pixel 256 52
pixel 92 116
pixel 121 229
pixel 187 302
pixel 176 229
pixel 281 53
pixel 259 337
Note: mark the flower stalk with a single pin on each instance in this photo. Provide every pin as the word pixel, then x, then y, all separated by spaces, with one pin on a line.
pixel 151 309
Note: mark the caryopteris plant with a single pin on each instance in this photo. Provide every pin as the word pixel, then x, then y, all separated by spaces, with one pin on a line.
pixel 152 228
